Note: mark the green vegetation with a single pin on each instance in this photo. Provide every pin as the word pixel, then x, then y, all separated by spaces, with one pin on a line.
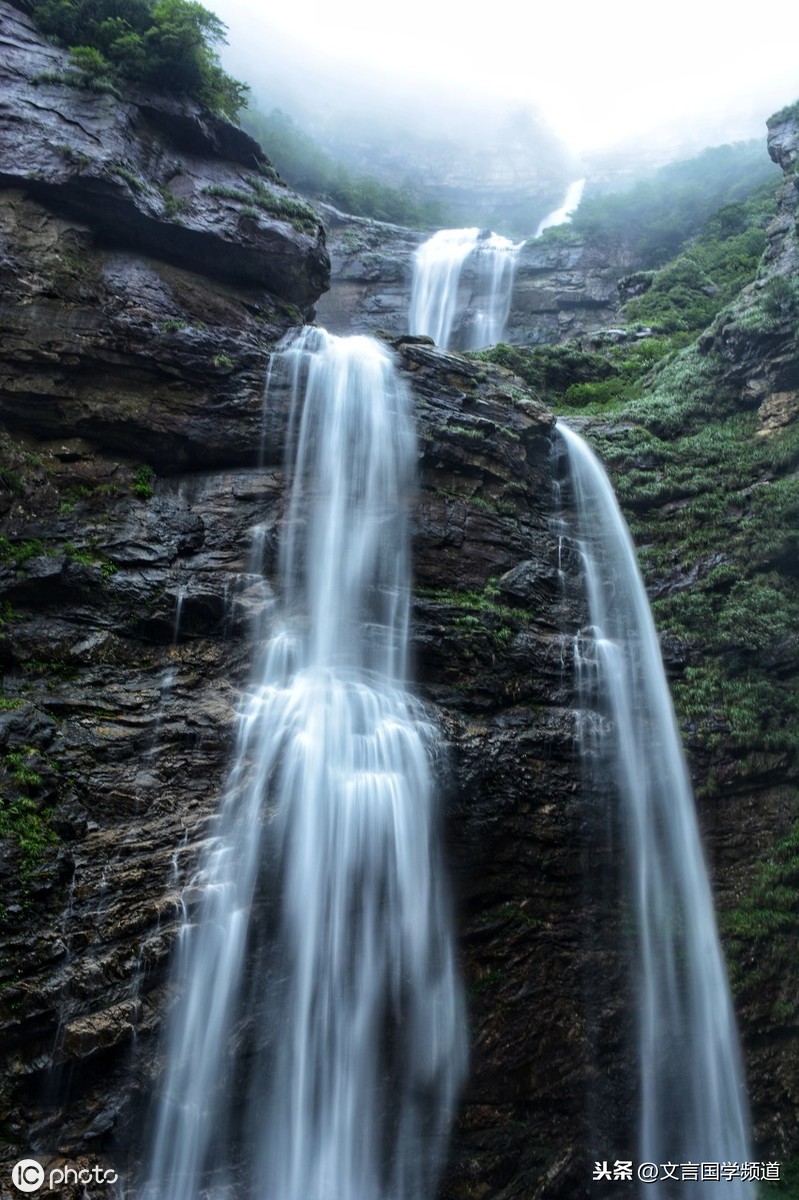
pixel 269 200
pixel 688 293
pixel 173 204
pixel 132 180
pixel 142 485
pixel 569 376
pixel 19 552
pixel 767 307
pixel 169 45
pixel 479 613
pixel 762 933
pixel 772 905
pixel 681 300
pixel 788 1186
pixel 788 113
pixel 22 818
pixel 712 504
pixel 715 505
pixel 309 169
pixel 657 215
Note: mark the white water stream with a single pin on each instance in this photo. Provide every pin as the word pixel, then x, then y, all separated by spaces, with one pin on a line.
pixel 329 1064
pixel 463 282
pixel 457 315
pixel 692 1098
pixel 562 215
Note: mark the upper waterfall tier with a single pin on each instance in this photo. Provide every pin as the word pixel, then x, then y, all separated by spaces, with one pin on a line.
pixel 560 216
pixel 458 309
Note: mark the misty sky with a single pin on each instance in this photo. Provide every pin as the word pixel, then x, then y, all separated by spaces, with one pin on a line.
pixel 600 72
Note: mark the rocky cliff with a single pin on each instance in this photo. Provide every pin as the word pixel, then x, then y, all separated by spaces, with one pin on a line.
pixel 705 459
pixel 148 270
pixel 564 286
pixel 150 262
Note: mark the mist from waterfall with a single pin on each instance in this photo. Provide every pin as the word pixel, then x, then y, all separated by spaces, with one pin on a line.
pixel 693 1103
pixel 320 1044
pixel 562 215
pixel 460 308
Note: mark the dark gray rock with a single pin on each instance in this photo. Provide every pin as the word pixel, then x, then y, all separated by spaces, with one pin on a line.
pixel 564 287
pixel 151 174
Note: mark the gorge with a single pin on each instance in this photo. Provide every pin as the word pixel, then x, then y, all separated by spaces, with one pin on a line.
pixel 138 331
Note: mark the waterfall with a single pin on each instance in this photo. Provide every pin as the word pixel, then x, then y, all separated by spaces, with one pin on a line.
pixel 442 296
pixel 692 1100
pixel 571 203
pixel 319 1038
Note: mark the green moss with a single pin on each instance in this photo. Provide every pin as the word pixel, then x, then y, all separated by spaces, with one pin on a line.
pixel 79 556
pixel 72 155
pixel 490 980
pixel 270 200
pixel 23 818
pixel 132 180
pixel 486 602
pixel 49 669
pixel 142 485
pixel 789 113
pixel 20 552
pixel 464 431
pixel 762 931
pixel 173 205
pixel 688 293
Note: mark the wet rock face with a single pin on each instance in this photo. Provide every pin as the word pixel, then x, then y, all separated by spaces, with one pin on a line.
pixel 562 288
pixel 372 265
pixel 161 175
pixel 127 603
pixel 131 401
pixel 135 349
pixel 757 338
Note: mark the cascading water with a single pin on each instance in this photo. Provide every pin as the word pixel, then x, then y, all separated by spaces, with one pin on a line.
pixel 323 1047
pixel 438 280
pixel 692 1100
pixel 562 215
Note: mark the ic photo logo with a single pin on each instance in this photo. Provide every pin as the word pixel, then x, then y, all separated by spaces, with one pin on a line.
pixel 27 1175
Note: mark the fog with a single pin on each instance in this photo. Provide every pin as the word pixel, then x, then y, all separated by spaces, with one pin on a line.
pixel 620 74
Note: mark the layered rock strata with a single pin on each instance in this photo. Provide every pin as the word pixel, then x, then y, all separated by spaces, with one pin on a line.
pixel 564 287
pixel 137 335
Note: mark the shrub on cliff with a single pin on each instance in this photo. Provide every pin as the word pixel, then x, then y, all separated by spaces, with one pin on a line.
pixel 165 44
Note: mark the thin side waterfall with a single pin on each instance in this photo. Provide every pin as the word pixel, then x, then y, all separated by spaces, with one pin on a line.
pixel 456 312
pixel 560 216
pixel 693 1103
pixel 318 1046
